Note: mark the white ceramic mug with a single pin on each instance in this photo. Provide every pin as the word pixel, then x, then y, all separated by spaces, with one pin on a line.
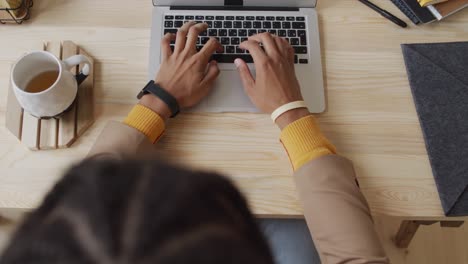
pixel 57 98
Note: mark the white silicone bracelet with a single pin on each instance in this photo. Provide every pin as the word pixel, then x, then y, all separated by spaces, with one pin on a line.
pixel 287 107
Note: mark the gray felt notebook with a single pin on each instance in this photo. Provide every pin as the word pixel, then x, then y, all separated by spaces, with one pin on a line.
pixel 438 75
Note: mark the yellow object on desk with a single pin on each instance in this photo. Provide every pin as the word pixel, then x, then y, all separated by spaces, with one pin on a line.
pixel 425 3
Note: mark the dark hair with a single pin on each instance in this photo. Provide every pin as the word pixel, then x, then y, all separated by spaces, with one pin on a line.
pixel 139 212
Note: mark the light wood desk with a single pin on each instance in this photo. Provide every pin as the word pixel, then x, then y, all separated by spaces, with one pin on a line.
pixel 371 116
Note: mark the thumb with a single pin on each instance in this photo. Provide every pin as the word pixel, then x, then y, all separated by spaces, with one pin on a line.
pixel 246 76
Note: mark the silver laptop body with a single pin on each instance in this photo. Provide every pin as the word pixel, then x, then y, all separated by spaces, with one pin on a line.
pixel 228 94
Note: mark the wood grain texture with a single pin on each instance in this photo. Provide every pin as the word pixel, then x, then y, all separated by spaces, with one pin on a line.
pixel 14 114
pixel 67 125
pixel 30 131
pixel 85 106
pixel 371 116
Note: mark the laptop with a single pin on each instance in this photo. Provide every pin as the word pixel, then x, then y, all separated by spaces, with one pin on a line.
pixel 233 21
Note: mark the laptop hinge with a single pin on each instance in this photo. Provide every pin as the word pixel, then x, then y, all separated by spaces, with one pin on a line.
pixel 236 8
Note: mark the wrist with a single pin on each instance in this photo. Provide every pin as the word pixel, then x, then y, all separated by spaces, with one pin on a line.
pixel 291 116
pixel 156 105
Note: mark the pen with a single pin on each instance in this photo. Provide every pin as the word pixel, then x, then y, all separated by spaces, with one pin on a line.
pixel 385 13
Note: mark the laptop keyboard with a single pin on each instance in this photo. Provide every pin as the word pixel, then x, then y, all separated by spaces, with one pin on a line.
pixel 230 31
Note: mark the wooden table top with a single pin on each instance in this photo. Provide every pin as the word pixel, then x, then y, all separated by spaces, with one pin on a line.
pixel 371 117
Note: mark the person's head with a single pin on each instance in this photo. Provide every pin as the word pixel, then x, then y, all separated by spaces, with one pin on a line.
pixel 139 212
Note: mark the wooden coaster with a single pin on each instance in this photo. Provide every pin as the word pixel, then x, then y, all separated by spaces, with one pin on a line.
pixel 60 132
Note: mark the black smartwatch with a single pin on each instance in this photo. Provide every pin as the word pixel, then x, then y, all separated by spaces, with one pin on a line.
pixel 167 98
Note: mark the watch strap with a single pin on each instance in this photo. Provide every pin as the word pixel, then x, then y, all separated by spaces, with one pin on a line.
pixel 156 90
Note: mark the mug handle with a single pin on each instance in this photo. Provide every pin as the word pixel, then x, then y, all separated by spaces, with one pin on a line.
pixel 76 60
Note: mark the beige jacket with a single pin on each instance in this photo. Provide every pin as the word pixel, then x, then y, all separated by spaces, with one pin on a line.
pixel 336 212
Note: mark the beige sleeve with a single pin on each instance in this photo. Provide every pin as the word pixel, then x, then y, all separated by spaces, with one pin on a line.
pixel 119 141
pixel 337 213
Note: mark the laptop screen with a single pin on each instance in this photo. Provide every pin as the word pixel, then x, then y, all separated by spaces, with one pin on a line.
pixel 285 3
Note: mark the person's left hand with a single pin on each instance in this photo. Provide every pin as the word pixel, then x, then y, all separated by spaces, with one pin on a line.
pixel 185 73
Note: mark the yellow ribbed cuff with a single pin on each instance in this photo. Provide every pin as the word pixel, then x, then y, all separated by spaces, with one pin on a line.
pixel 146 121
pixel 304 142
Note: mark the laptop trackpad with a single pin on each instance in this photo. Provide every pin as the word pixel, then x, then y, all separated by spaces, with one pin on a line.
pixel 227 95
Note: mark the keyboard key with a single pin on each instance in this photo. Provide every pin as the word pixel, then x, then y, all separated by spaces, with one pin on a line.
pixel 242 32
pixel 229 17
pixel 223 32
pixel 301 33
pixel 300 18
pixel 247 24
pixel 233 32
pixel 257 24
pixel 230 49
pixel 199 47
pixel 225 41
pixel 218 24
pixel 292 33
pixel 300 50
pixel 290 19
pixel 266 24
pixel 296 59
pixel 239 50
pixel 272 31
pixel 252 32
pixel 240 17
pixel 179 17
pixel 303 61
pixel 199 17
pixel 286 25
pixel 204 33
pixel 282 33
pixel 299 25
pixel 294 41
pixel 276 24
pixel 198 41
pixel 303 41
pixel 169 17
pixel 280 18
pixel 189 17
pixel 168 24
pixel 260 31
pixel 219 17
pixel 229 58
pixel 238 24
pixel 227 24
pixel 209 18
pixel 210 23
pixel 250 18
pixel 270 18
pixel 171 30
pixel 212 32
pixel 172 48
pixel 244 39
pixel 198 21
pixel 178 23
pixel 235 41
pixel 204 40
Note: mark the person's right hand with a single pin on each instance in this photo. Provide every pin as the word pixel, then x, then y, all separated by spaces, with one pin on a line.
pixel 275 83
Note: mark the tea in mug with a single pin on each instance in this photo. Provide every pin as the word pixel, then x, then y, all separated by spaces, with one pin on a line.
pixel 42 82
